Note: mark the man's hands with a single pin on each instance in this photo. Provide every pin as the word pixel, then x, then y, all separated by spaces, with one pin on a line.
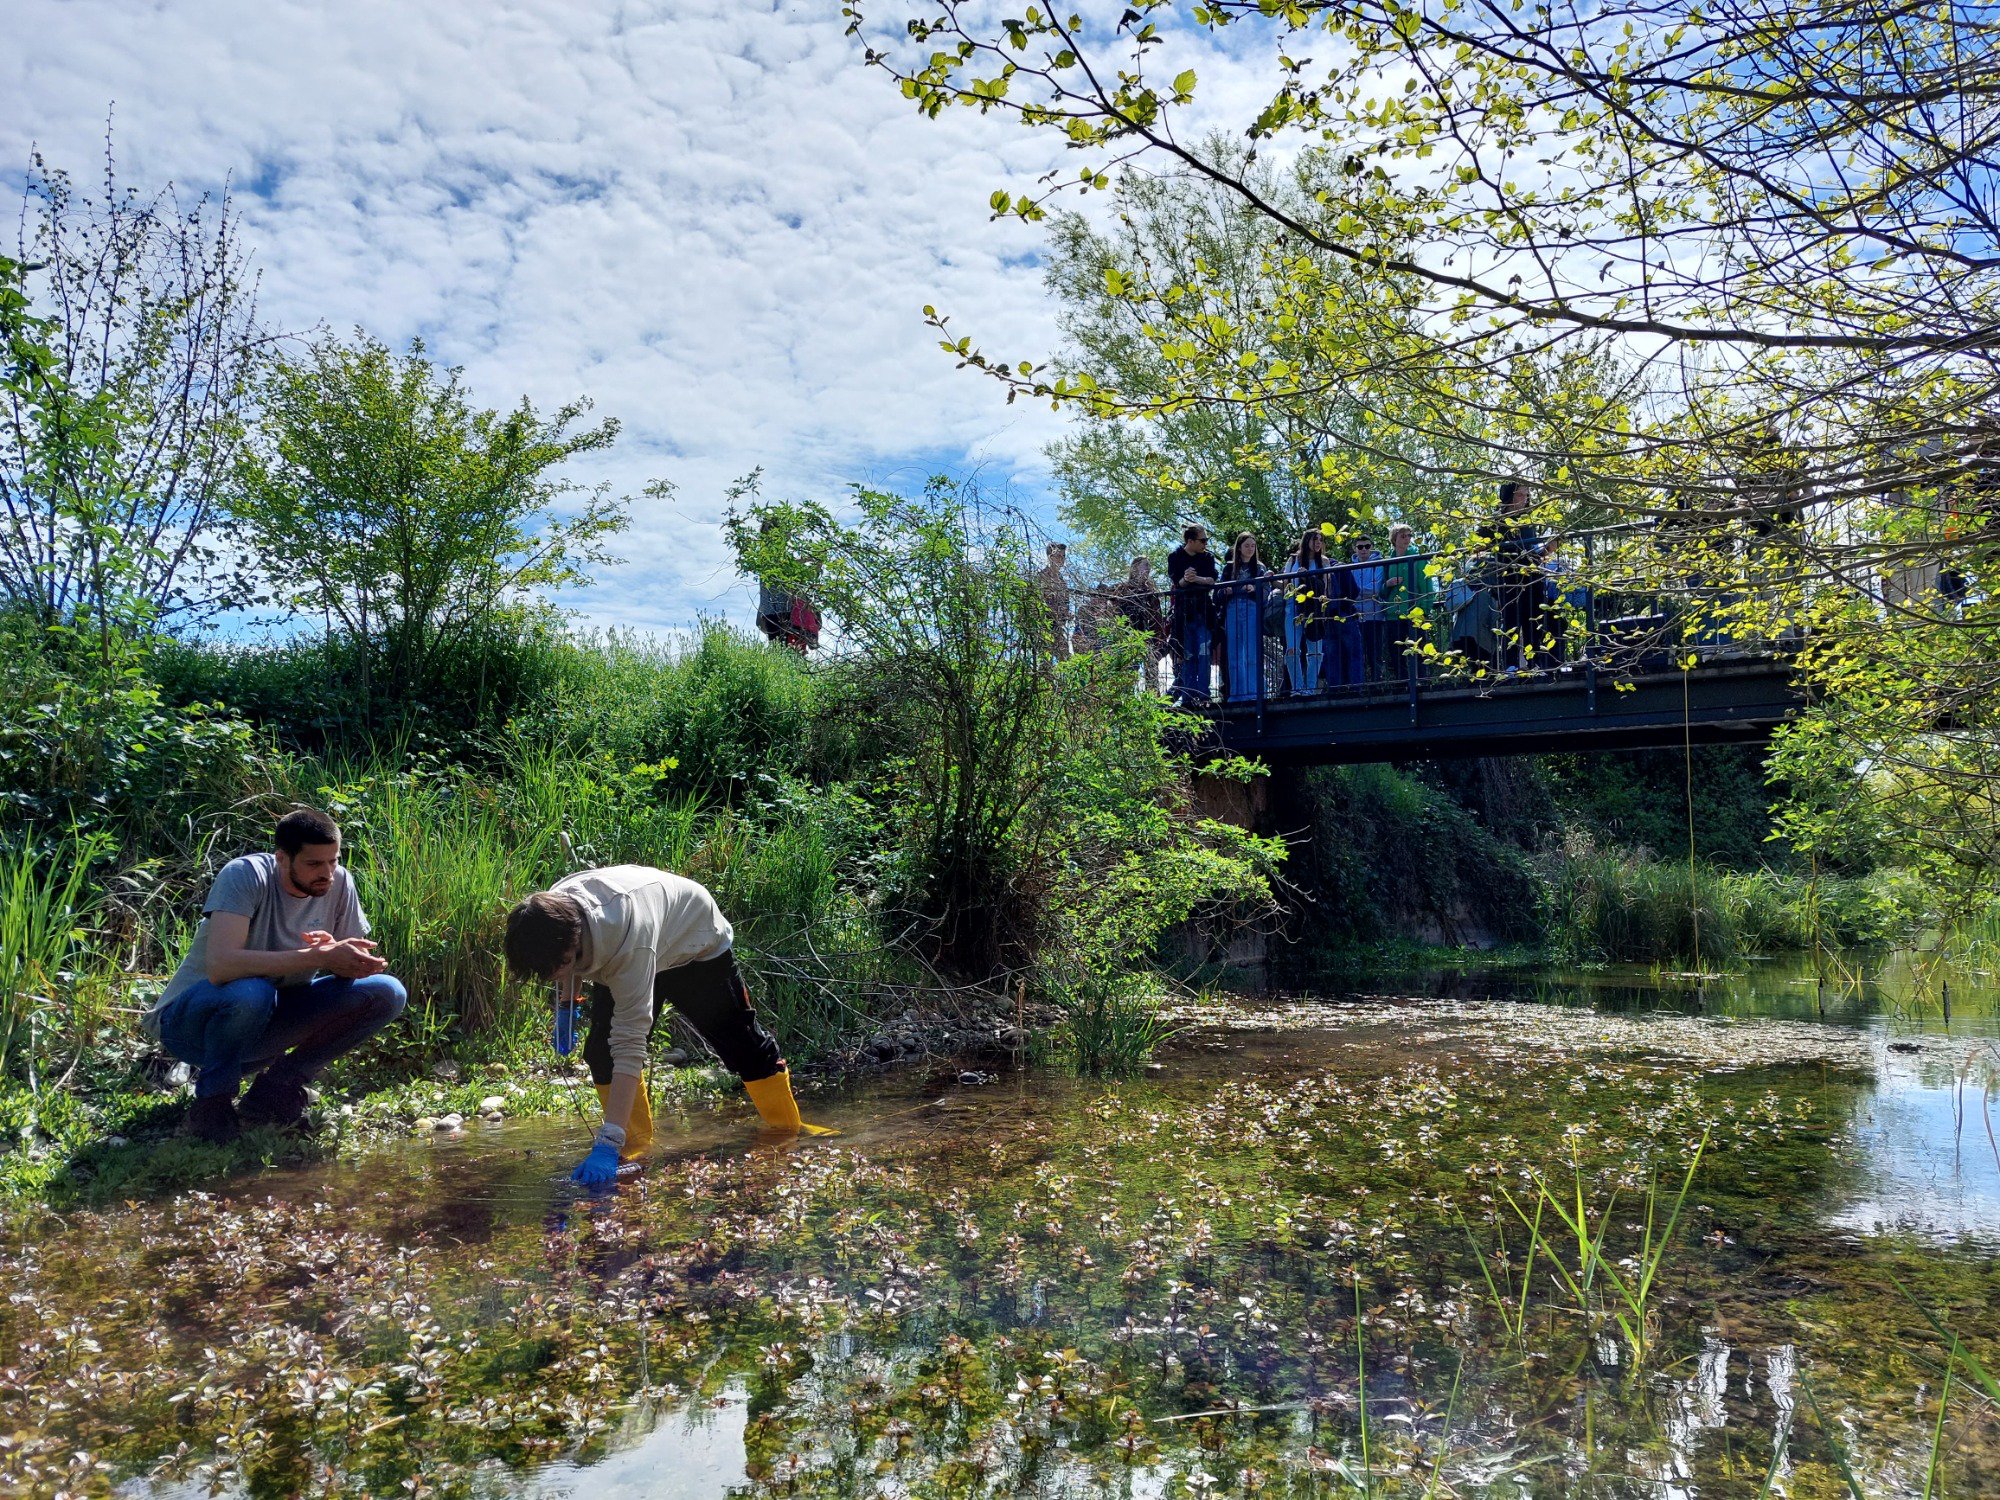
pixel 229 959
pixel 350 958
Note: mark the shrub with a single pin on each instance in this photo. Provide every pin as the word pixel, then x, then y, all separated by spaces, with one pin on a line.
pixel 98 750
pixel 714 714
pixel 1624 906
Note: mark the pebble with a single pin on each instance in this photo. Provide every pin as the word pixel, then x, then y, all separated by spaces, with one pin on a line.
pixel 424 1123
pixel 492 1104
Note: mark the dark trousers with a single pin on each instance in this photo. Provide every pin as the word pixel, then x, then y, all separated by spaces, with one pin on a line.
pixel 1400 661
pixel 1374 646
pixel 711 994
pixel 1193 642
pixel 1521 618
pixel 1341 666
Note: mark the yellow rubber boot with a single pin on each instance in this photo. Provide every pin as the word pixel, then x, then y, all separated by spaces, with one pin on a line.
pixel 776 1106
pixel 638 1128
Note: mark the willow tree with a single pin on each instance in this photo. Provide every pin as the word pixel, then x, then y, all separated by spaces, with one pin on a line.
pixel 1781 229
pixel 1180 256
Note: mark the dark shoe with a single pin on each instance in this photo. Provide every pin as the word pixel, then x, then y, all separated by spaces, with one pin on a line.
pixel 214 1120
pixel 275 1099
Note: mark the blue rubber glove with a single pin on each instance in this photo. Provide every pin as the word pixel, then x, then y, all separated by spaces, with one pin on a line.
pixel 600 1168
pixel 564 1035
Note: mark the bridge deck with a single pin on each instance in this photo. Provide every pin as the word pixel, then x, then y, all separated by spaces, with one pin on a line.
pixel 1736 699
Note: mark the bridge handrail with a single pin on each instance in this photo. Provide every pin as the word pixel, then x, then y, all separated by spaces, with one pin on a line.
pixel 1582 641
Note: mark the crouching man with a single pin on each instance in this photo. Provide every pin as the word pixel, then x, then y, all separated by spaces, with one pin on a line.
pixel 280 980
pixel 640 938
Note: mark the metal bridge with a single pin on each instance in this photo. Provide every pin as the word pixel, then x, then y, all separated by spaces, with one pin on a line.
pixel 1619 660
pixel 1733 697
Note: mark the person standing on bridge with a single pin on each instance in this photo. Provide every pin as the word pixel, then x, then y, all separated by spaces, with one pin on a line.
pixel 1138 601
pixel 1407 594
pixel 1306 583
pixel 1517 549
pixel 1244 588
pixel 1053 583
pixel 1369 581
pixel 1191 573
pixel 1341 666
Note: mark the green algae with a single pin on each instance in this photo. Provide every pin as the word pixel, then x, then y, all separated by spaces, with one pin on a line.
pixel 1167 1286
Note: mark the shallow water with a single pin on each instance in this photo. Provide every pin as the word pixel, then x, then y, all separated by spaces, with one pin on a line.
pixel 1198 1280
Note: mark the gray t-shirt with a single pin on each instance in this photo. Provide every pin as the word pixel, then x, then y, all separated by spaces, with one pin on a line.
pixel 251 887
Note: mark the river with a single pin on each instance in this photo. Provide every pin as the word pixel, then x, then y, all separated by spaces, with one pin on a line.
pixel 1326 1245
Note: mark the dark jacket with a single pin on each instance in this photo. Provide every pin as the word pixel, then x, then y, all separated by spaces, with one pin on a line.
pixel 1192 601
pixel 1310 586
pixel 1343 594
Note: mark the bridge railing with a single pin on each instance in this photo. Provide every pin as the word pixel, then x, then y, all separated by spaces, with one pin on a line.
pixel 1624 601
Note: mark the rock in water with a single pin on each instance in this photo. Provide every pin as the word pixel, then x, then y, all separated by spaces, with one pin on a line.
pixel 450 1122
pixel 492 1104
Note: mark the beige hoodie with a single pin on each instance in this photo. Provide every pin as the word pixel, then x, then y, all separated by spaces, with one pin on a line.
pixel 638 922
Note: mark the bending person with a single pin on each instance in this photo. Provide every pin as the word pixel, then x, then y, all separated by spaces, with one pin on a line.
pixel 640 938
pixel 279 980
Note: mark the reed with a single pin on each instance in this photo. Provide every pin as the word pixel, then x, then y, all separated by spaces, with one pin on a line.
pixel 1631 1288
pixel 45 908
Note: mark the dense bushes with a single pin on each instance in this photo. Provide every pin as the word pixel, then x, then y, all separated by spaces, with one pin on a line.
pixel 1483 853
pixel 785 786
pixel 93 747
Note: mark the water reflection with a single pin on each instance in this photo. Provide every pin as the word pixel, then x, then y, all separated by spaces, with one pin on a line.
pixel 1923 1140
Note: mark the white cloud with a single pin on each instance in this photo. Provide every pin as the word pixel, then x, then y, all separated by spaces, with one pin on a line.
pixel 708 216
pixel 711 219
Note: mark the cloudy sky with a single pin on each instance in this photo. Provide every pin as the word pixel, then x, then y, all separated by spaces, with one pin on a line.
pixel 706 215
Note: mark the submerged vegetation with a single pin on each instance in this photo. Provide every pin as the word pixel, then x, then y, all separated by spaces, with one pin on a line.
pixel 1238 1276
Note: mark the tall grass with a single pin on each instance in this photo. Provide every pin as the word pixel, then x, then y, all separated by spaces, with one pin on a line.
pixel 1597 1284
pixel 438 862
pixel 1111 1023
pixel 1623 906
pixel 45 904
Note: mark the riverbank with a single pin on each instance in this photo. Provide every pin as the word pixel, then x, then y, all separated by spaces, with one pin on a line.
pixel 111 1129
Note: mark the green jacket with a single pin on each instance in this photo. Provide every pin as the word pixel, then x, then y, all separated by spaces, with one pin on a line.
pixel 1406 586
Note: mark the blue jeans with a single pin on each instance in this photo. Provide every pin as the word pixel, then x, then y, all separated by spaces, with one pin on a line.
pixel 1342 663
pixel 1302 653
pixel 1191 670
pixel 228 1030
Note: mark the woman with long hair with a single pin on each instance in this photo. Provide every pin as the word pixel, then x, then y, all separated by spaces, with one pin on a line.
pixel 1305 587
pixel 1242 599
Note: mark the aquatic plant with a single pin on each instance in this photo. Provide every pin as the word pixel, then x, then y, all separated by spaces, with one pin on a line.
pixel 1238 1275
pixel 1110 1023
